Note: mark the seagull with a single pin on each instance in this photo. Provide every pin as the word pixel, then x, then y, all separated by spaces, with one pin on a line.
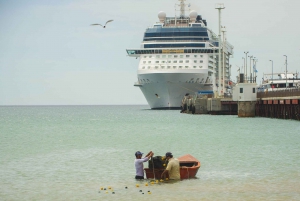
pixel 101 24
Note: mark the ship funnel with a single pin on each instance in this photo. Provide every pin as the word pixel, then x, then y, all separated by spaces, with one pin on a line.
pixel 193 16
pixel 161 16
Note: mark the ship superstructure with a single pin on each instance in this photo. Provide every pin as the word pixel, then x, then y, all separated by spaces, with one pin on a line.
pixel 179 55
pixel 279 81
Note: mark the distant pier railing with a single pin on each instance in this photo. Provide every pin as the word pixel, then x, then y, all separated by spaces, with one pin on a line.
pixel 279 93
pixel 281 104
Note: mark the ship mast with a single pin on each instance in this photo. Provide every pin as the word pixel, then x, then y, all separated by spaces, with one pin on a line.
pixel 182 5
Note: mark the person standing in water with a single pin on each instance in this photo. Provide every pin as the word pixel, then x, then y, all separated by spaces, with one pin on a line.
pixel 173 167
pixel 138 162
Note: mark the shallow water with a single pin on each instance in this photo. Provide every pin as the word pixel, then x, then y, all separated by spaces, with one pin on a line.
pixel 70 152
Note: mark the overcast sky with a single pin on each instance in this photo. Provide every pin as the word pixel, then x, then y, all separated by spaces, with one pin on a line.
pixel 50 55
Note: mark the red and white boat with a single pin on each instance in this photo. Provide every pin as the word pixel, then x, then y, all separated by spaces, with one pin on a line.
pixel 189 167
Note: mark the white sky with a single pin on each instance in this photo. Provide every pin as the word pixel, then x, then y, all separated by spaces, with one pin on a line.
pixel 50 55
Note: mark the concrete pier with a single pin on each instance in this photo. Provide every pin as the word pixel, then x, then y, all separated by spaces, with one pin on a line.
pixel 282 104
pixel 214 106
pixel 246 108
pixel 245 94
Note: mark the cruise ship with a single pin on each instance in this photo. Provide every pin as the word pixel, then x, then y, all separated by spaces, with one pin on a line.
pixel 178 56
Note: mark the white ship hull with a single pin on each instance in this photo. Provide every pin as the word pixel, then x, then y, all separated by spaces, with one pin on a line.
pixel 166 90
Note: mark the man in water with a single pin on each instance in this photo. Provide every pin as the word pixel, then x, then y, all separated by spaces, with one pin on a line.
pixel 173 167
pixel 184 103
pixel 138 162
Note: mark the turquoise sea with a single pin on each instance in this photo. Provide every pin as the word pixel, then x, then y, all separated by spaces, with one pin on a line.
pixel 70 152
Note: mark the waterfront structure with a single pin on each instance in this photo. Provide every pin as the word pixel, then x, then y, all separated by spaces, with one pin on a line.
pixel 179 55
pixel 245 95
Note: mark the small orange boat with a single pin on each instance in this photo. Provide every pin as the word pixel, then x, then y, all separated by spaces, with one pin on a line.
pixel 189 167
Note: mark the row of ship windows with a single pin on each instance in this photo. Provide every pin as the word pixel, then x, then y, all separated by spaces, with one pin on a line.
pixel 175 33
pixel 189 81
pixel 165 51
pixel 173 56
pixel 181 61
pixel 170 67
pixel 174 45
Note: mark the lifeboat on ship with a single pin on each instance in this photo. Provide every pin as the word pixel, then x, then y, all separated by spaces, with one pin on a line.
pixel 189 167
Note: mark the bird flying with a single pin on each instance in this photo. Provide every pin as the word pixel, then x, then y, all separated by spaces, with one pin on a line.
pixel 101 24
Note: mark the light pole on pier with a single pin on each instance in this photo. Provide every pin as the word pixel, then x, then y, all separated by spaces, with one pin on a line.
pixel 246 66
pixel 272 73
pixel 253 73
pixel 285 71
pixel 254 70
pixel 250 68
pixel 219 6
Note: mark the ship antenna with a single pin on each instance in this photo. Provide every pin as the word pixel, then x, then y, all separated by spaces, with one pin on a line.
pixel 182 5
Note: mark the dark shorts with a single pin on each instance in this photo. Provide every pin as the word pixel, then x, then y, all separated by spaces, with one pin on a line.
pixel 139 177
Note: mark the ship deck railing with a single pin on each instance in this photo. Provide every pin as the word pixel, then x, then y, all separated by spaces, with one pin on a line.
pixel 280 79
pixel 211 41
pixel 174 26
pixel 171 67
